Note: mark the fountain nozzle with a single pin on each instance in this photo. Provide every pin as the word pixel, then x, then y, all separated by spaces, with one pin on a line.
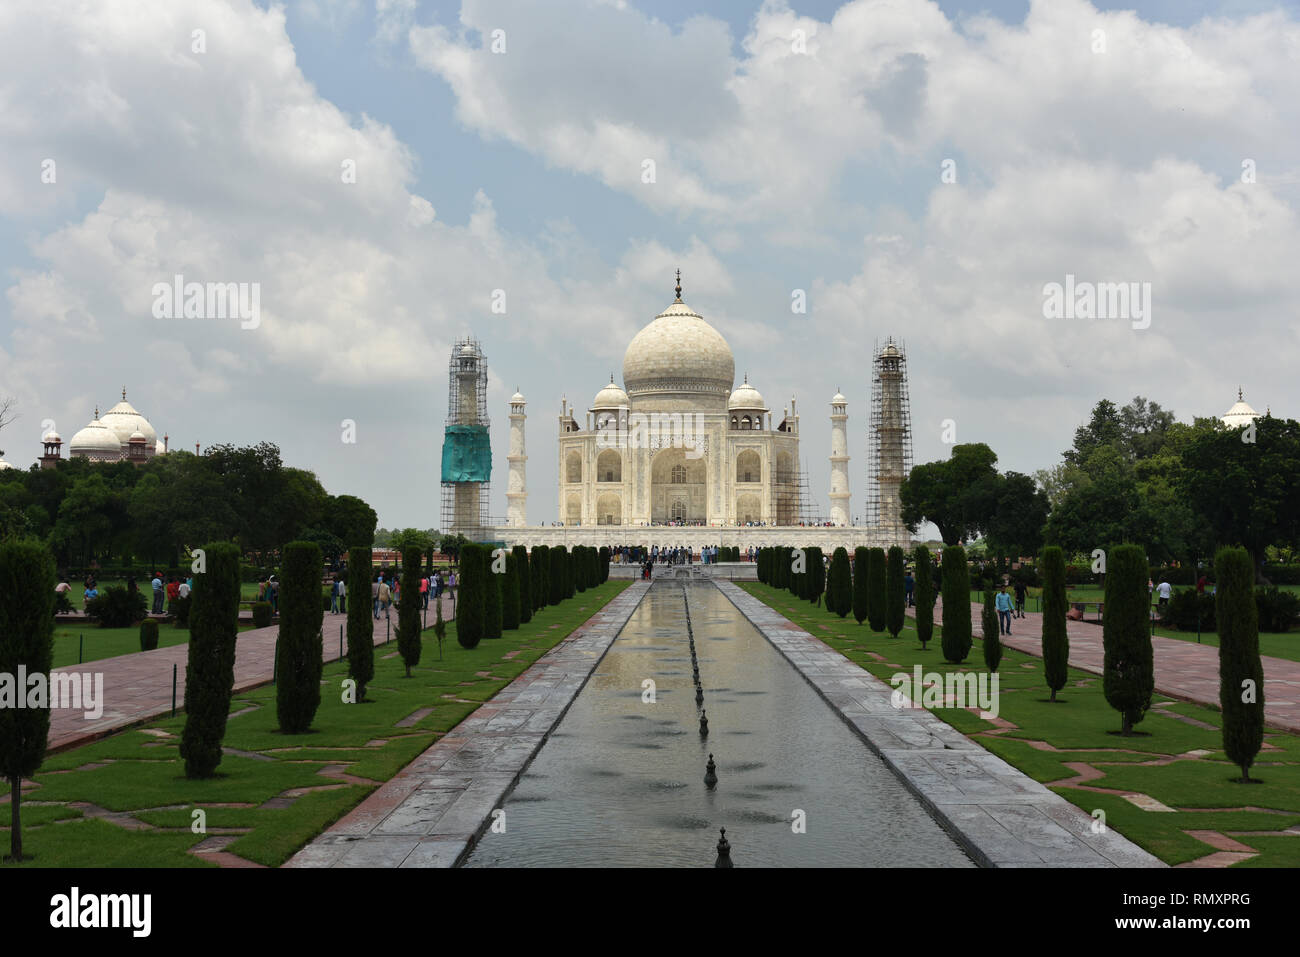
pixel 710 772
pixel 724 851
pixel 704 724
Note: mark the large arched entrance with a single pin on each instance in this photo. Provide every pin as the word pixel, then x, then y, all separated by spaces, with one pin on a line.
pixel 678 487
pixel 609 509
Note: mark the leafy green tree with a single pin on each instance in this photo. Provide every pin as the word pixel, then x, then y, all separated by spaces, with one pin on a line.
pixel 957 495
pixel 408 608
pixel 210 668
pixel 1056 640
pixel 923 595
pixel 1128 669
pixel 1021 509
pixel 510 594
pixel 957 639
pixel 992 632
pixel 26 641
pixel 861 566
pixel 361 624
pixel 471 611
pixel 1247 492
pixel 350 519
pixel 895 592
pixel 1241 673
pixel 877 613
pixel 299 651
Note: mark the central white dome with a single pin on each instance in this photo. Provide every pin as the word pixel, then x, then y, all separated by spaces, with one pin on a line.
pixel 125 421
pixel 679 356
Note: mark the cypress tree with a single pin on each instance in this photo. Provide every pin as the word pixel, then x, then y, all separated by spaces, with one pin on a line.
pixel 956 637
pixel 557 556
pixel 819 576
pixel 1128 672
pixel 492 592
pixel 299 662
pixel 470 610
pixel 408 610
pixel 510 593
pixel 525 584
pixel 540 563
pixel 877 614
pixel 1241 674
pixel 895 592
pixel 861 561
pixel 992 631
pixel 579 568
pixel 923 595
pixel 26 640
pixel 361 624
pixel 604 564
pixel 1056 640
pixel 839 584
pixel 210 666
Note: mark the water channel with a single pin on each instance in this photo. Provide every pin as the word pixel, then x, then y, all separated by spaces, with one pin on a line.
pixel 620 782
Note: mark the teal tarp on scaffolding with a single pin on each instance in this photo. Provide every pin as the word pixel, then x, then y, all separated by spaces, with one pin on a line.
pixel 466 454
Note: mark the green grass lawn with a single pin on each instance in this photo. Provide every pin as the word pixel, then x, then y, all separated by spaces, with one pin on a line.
pixel 1277 644
pixel 94 644
pixel 139 772
pixel 1198 787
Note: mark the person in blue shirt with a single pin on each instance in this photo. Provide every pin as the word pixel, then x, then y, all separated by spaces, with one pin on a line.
pixel 909 587
pixel 1004 606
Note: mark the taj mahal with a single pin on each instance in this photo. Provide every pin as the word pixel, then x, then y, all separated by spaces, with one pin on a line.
pixel 679 454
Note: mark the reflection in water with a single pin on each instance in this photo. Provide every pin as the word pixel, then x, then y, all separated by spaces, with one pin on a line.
pixel 621 783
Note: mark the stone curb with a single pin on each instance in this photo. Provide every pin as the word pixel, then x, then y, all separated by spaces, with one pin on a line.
pixel 999 815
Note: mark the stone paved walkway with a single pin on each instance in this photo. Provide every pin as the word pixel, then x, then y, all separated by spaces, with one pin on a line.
pixel 1002 817
pixel 1184 669
pixel 138 687
pixel 431 813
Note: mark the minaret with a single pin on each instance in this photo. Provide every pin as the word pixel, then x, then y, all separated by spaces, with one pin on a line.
pixel 517 489
pixel 466 450
pixel 891 423
pixel 53 444
pixel 839 460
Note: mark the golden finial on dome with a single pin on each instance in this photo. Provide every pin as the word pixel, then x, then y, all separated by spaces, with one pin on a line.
pixel 96 413
pixel 123 393
pixel 679 285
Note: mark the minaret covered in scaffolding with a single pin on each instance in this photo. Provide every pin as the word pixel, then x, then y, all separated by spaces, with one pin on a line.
pixel 466 446
pixel 890 441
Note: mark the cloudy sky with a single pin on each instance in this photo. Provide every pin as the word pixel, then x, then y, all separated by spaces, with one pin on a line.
pixel 918 169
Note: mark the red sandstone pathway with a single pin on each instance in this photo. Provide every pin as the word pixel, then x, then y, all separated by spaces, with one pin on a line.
pixel 138 686
pixel 1184 669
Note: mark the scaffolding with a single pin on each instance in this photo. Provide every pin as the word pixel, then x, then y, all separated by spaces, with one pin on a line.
pixel 465 501
pixel 889 451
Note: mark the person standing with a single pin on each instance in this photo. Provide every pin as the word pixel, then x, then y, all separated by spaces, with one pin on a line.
pixel 909 586
pixel 1020 599
pixel 385 597
pixel 334 596
pixel 374 593
pixel 343 597
pixel 1165 591
pixel 157 584
pixel 1003 602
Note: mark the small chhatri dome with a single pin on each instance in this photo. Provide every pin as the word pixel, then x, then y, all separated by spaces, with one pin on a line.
pixel 517 398
pixel 4 466
pixel 1240 415
pixel 610 397
pixel 838 398
pixel 51 436
pixel 747 397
